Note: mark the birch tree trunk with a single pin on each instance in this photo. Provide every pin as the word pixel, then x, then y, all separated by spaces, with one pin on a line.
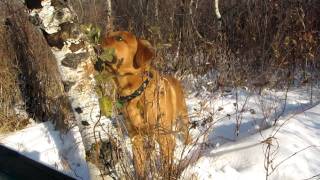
pixel 74 56
pixel 156 10
pixel 217 12
pixel 109 16
pixel 216 9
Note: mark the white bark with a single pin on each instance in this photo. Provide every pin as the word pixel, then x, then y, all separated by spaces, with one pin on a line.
pixel 109 16
pixel 82 94
pixel 216 9
pixel 156 13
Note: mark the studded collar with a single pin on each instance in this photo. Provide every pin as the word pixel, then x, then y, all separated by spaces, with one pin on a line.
pixel 138 92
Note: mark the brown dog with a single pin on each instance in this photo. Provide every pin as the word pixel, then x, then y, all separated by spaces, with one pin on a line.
pixel 152 104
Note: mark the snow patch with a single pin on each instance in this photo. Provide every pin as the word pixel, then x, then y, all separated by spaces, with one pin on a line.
pixel 40 142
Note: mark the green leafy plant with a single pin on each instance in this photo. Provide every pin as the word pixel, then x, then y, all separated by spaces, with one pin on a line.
pixel 107 55
pixel 92 32
pixel 106 105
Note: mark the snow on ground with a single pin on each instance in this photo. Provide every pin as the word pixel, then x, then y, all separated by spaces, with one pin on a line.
pixel 228 156
pixel 233 128
pixel 226 152
pixel 40 142
pixel 247 110
pixel 245 158
pixel 236 128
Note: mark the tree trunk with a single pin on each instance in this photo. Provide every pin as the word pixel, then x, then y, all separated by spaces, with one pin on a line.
pixel 74 56
pixel 216 9
pixel 156 10
pixel 109 26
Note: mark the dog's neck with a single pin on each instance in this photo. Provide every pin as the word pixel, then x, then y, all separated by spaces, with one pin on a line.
pixel 128 84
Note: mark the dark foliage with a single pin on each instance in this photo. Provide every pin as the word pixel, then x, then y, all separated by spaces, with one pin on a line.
pixel 269 40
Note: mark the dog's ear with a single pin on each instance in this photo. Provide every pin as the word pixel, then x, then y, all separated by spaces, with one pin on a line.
pixel 144 54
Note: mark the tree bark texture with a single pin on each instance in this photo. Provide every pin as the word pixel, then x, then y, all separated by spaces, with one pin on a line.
pixel 74 55
pixel 38 76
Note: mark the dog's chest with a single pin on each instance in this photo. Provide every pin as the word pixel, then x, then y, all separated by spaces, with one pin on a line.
pixel 155 100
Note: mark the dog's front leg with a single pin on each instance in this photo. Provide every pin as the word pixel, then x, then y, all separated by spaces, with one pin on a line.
pixel 139 155
pixel 167 144
pixel 135 118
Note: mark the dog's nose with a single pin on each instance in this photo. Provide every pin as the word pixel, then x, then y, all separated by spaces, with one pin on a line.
pixel 98 49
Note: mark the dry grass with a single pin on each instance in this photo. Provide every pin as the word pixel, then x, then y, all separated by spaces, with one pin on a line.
pixel 10 94
pixel 30 73
pixel 12 123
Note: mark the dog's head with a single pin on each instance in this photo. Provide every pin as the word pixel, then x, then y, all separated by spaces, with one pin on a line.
pixel 128 53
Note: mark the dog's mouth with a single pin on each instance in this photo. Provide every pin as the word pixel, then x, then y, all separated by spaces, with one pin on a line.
pixel 107 60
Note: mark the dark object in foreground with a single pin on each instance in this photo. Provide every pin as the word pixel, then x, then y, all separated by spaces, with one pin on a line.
pixel 16 166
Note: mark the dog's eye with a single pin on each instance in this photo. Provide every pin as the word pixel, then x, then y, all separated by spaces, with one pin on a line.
pixel 118 38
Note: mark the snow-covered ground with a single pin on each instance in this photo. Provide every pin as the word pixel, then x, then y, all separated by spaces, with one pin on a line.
pixel 292 146
pixel 288 150
pixel 40 142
